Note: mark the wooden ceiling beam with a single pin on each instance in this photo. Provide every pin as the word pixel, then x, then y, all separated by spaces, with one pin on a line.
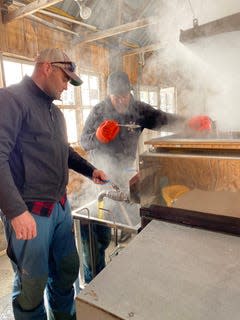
pixel 119 29
pixel 28 9
pixel 151 47
pixel 60 17
pixel 53 25
pixel 49 24
pixel 226 24
pixel 70 20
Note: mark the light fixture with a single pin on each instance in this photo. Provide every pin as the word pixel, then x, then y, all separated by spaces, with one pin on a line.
pixel 84 11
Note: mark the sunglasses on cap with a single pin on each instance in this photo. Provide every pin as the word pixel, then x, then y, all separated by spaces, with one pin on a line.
pixel 70 66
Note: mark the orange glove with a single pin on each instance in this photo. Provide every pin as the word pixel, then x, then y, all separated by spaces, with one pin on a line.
pixel 200 123
pixel 107 131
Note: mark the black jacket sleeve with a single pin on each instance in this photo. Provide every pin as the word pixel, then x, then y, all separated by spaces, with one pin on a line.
pixel 152 118
pixel 79 164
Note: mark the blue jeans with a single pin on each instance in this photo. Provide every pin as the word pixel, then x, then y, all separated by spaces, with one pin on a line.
pixel 102 239
pixel 48 262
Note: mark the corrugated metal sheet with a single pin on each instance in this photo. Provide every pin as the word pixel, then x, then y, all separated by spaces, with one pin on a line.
pixel 107 14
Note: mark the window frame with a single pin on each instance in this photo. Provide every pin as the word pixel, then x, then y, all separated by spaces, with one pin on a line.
pixel 15 59
pixel 172 110
pixel 148 89
pixel 90 73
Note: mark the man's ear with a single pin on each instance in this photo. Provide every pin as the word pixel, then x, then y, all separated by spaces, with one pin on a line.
pixel 46 68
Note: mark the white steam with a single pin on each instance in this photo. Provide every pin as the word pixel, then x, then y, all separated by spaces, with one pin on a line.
pixel 206 72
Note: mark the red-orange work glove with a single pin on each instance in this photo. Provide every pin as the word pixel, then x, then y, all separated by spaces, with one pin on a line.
pixel 107 131
pixel 200 123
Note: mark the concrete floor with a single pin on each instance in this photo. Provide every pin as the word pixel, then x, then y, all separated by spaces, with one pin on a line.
pixel 6 279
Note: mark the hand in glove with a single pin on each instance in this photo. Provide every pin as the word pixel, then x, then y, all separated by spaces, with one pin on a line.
pixel 107 131
pixel 200 123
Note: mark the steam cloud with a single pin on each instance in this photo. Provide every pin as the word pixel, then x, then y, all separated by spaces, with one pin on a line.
pixel 206 72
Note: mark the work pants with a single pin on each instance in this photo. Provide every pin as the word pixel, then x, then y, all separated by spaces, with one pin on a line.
pixel 48 262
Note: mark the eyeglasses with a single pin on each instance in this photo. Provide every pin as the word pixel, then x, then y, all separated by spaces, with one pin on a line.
pixel 70 66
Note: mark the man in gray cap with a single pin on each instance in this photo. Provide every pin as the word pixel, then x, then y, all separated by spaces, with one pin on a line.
pixel 34 160
pixel 113 147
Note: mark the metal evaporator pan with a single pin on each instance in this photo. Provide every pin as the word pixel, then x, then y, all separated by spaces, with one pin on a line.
pixel 216 140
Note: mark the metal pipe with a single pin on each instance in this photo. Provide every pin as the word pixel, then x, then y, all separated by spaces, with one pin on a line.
pixel 91 244
pixel 114 195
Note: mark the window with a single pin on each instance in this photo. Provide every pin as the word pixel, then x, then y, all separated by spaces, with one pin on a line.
pixel 149 95
pixel 68 107
pixel 90 93
pixel 67 97
pixel 71 121
pixel 168 100
pixel 14 71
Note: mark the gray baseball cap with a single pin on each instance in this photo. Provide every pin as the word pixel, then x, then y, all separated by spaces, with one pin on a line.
pixel 118 83
pixel 59 58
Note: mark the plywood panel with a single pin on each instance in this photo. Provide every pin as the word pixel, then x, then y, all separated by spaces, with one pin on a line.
pixel 25 38
pixel 30 37
pixel 130 66
pixel 15 38
pixel 93 58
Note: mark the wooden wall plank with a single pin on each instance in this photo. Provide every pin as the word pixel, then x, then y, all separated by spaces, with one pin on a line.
pixel 25 38
pixel 130 66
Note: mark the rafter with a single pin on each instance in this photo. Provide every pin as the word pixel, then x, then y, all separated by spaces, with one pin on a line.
pixel 53 25
pixel 67 19
pixel 28 9
pixel 222 25
pixel 120 29
pixel 151 47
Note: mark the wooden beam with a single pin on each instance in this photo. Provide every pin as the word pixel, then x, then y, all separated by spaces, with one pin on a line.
pixel 53 25
pixel 28 9
pixel 66 19
pixel 60 17
pixel 47 23
pixel 151 47
pixel 120 29
pixel 226 24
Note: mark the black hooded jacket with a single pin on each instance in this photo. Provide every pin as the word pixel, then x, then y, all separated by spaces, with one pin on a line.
pixel 34 151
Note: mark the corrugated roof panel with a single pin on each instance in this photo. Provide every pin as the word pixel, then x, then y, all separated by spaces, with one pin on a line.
pixel 107 14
